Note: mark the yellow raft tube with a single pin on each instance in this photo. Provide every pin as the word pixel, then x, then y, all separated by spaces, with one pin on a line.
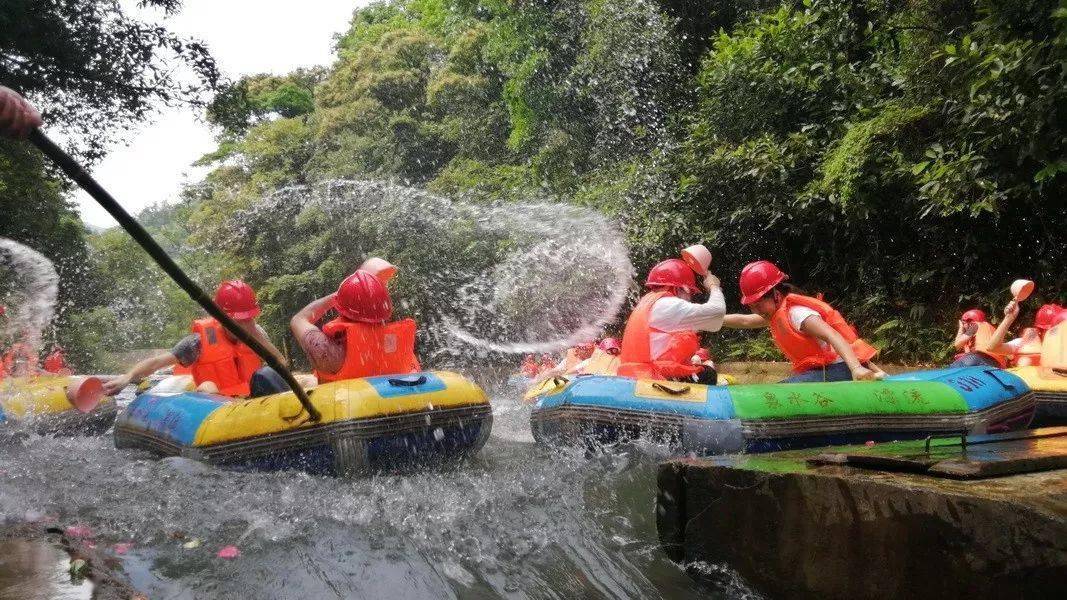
pixel 367 425
pixel 55 405
pixel 1049 381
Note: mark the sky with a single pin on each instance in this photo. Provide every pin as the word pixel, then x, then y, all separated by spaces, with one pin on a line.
pixel 245 37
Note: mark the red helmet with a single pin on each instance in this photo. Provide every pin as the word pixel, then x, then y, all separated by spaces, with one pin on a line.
pixel 672 272
pixel 758 278
pixel 975 315
pixel 1048 316
pixel 237 299
pixel 611 346
pixel 1062 316
pixel 363 297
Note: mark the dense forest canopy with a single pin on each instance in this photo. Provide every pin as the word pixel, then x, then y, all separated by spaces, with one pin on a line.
pixel 907 158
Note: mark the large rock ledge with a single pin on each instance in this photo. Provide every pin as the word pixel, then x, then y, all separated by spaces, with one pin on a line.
pixel 794 529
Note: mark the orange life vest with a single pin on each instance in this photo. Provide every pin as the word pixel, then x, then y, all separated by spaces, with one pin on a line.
pixel 372 349
pixel 227 363
pixel 636 359
pixel 805 351
pixel 1004 355
pixel 19 360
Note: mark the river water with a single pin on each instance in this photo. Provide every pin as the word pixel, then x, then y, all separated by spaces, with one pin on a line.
pixel 521 521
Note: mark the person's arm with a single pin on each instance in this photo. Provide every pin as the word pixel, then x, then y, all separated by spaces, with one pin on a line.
pixel 738 321
pixel 325 354
pixel 139 371
pixel 1011 312
pixel 964 335
pixel 261 335
pixel 816 327
pixel 675 314
pixel 17 116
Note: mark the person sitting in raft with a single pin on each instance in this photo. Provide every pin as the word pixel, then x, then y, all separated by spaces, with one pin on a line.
pixel 661 338
pixel 600 358
pixel 218 362
pixel 966 331
pixel 813 335
pixel 361 342
pixel 990 349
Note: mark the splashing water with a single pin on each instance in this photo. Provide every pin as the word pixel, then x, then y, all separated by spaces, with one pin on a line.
pixel 28 284
pixel 503 277
pixel 520 521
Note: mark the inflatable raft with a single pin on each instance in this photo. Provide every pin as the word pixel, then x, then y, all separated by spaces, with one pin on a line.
pixel 367 425
pixel 762 418
pixel 55 405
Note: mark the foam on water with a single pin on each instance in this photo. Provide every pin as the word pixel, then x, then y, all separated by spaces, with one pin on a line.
pixel 521 521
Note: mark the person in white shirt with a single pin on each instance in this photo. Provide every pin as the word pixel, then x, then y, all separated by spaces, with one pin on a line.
pixel 661 336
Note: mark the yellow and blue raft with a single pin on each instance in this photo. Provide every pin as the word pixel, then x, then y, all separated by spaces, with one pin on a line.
pixel 367 425
pixel 48 405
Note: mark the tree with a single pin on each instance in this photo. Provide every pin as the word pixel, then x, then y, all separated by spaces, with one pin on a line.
pixel 94 70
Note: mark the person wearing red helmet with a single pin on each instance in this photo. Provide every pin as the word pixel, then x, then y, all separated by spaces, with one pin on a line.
pixel 969 324
pixel 813 335
pixel 991 349
pixel 661 336
pixel 218 362
pixel 361 341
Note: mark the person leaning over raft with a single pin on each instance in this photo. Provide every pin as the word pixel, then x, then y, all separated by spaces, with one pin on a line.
pixel 660 338
pixel 218 362
pixel 361 342
pixel 818 341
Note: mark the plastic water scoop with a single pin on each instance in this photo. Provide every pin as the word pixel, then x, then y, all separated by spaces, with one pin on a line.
pixel 379 267
pixel 698 257
pixel 1021 289
pixel 84 393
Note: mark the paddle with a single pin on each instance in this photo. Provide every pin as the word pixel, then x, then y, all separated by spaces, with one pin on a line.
pixel 142 237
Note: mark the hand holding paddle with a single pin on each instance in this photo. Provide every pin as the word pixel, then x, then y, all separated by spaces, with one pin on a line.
pixel 17 116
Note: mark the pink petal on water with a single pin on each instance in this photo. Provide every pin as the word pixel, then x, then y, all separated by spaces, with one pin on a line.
pixel 78 531
pixel 123 547
pixel 229 552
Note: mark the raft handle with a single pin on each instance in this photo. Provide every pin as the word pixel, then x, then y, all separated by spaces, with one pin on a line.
pixel 407 382
pixel 1059 371
pixel 669 390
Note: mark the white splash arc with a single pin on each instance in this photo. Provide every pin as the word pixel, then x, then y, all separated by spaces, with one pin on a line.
pixel 30 302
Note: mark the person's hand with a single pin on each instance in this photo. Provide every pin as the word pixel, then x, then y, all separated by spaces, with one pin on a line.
pixel 862 373
pixel 116 384
pixel 1011 310
pixel 969 329
pixel 17 116
pixel 711 281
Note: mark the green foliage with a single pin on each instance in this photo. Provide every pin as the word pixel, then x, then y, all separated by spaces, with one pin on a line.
pixel 92 69
pixel 904 157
